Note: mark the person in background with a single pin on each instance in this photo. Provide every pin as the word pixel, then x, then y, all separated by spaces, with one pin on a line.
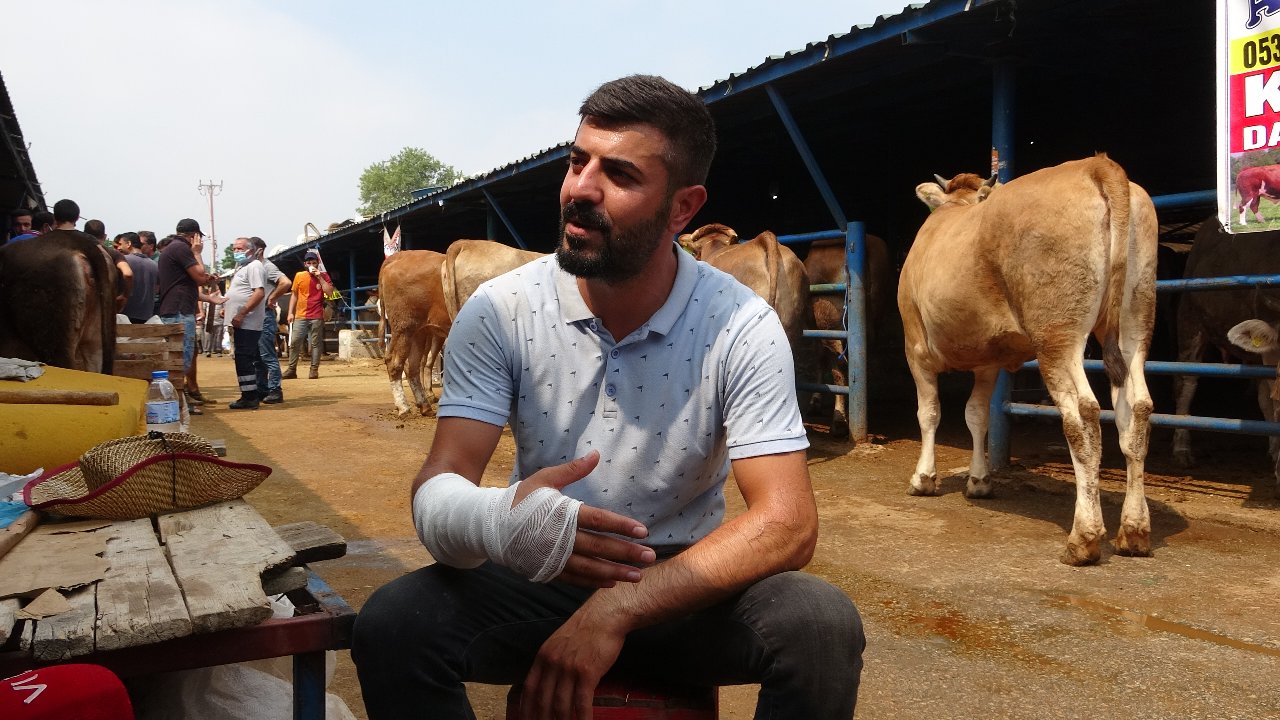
pixel 19 223
pixel 66 213
pixel 181 273
pixel 213 315
pixel 124 272
pixel 41 223
pixel 306 313
pixel 268 367
pixel 244 309
pixel 148 240
pixel 141 304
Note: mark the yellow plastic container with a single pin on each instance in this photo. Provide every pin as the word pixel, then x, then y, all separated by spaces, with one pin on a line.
pixel 45 436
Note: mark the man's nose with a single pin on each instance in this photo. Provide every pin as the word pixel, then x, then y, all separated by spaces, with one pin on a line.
pixel 585 185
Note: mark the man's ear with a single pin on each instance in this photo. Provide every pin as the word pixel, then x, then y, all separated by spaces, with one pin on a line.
pixel 685 203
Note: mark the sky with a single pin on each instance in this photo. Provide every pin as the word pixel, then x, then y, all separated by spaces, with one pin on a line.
pixel 284 104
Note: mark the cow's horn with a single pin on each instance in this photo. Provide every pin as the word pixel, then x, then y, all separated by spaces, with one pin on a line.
pixel 941 180
pixel 991 181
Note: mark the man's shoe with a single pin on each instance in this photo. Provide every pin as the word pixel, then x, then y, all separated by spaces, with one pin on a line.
pixel 273 397
pixel 244 403
pixel 314 374
pixel 193 409
pixel 289 374
pixel 198 398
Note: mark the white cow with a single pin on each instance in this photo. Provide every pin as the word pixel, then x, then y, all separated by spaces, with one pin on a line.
pixel 998 276
pixel 1261 337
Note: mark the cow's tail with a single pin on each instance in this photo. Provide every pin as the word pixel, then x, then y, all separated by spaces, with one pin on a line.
pixel 1118 302
pixel 104 287
pixel 382 322
pixel 449 282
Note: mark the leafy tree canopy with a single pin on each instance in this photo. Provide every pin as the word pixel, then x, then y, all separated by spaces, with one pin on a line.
pixel 390 183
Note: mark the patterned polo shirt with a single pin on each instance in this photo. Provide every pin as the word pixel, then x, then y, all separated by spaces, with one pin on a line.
pixel 707 379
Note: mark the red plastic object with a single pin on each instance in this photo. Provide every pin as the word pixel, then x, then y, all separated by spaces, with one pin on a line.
pixel 84 692
pixel 617 699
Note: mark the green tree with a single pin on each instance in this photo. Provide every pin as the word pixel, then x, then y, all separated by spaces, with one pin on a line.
pixel 228 259
pixel 390 183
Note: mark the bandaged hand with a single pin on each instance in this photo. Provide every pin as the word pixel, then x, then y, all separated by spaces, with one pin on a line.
pixel 529 527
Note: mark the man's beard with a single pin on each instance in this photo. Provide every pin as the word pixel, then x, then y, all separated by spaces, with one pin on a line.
pixel 621 256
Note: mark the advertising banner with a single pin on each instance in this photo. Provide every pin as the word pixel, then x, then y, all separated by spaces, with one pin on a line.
pixel 1249 115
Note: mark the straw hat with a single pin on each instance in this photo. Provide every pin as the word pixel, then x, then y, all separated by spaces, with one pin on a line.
pixel 143 475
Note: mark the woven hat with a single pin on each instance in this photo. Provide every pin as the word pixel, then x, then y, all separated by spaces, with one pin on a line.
pixel 143 475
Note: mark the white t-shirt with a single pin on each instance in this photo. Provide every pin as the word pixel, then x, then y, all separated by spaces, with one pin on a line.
pixel 246 278
pixel 707 379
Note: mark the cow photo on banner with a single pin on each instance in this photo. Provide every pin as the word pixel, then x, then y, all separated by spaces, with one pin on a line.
pixel 1249 115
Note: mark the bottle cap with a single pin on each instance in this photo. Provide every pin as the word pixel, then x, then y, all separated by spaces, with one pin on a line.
pixel 159 374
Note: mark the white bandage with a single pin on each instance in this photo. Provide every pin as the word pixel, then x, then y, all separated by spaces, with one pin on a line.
pixel 464 525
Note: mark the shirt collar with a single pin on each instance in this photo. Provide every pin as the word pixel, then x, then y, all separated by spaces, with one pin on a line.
pixel 574 309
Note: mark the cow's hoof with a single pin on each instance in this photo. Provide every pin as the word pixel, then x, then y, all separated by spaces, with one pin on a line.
pixel 1081 553
pixel 1133 541
pixel 1184 458
pixel 978 488
pixel 840 429
pixel 403 412
pixel 923 485
pixel 426 411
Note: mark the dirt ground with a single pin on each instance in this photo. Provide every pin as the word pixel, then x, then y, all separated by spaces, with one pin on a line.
pixel 967 610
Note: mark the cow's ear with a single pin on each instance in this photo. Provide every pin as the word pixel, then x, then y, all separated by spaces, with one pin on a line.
pixel 1255 336
pixel 931 194
pixel 984 191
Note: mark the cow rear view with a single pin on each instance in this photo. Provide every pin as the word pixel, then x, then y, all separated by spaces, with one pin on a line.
pixel 1000 275
pixel 58 295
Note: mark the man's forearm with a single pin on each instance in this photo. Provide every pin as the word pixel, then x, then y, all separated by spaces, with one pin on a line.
pixel 743 551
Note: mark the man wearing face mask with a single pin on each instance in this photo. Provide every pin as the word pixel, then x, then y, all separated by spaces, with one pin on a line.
pixel 245 309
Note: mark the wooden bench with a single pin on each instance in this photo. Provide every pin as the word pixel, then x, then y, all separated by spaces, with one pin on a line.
pixel 626 699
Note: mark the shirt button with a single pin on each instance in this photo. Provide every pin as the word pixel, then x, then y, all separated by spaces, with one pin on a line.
pixel 593 326
pixel 610 390
pixel 614 353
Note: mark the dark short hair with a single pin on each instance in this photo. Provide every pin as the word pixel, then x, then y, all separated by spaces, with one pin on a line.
pixel 40 219
pixel 166 240
pixel 20 212
pixel 680 115
pixel 147 236
pixel 96 228
pixel 66 211
pixel 258 242
pixel 132 237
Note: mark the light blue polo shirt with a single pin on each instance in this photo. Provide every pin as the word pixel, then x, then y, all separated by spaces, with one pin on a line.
pixel 707 379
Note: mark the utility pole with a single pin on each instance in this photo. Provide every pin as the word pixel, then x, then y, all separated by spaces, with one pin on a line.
pixel 209 189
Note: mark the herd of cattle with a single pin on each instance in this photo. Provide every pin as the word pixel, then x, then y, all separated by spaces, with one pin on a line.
pixel 998 274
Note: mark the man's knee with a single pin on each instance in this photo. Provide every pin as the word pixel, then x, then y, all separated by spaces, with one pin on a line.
pixel 806 608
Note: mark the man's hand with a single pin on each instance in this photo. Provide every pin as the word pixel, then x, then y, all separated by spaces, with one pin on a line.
pixel 598 560
pixel 237 321
pixel 289 319
pixel 564 676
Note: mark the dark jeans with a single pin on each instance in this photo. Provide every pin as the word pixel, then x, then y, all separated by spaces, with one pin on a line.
pixel 267 368
pixel 419 637
pixel 246 355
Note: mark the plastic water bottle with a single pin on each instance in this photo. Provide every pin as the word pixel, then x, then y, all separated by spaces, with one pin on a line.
pixel 164 411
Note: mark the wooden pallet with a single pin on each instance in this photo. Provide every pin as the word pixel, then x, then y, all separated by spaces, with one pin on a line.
pixel 143 348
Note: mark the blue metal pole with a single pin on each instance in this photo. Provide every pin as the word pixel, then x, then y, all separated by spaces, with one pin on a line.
pixel 1190 422
pixel 493 204
pixel 1162 367
pixel 1003 82
pixel 855 344
pixel 308 686
pixel 806 155
pixel 351 275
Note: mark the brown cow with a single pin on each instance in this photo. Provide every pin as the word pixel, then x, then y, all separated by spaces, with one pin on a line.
pixel 825 264
pixel 58 297
pixel 412 303
pixel 763 264
pixel 1031 271
pixel 471 263
pixel 1253 184
pixel 1205 317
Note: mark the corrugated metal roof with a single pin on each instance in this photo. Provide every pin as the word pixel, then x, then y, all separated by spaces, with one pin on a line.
pixel 18 182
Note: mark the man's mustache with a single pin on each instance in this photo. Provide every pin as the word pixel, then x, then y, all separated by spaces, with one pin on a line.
pixel 586 216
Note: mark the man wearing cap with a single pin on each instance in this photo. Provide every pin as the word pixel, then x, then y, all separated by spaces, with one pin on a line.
pixel 306 313
pixel 182 272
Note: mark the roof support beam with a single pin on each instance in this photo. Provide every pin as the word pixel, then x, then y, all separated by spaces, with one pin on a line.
pixel 810 162
pixel 493 205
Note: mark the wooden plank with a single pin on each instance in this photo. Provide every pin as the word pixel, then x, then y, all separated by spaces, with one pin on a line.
pixel 7 620
pixel 26 634
pixel 218 554
pixel 17 530
pixel 69 634
pixel 149 330
pixel 45 396
pixel 139 601
pixel 279 582
pixel 312 541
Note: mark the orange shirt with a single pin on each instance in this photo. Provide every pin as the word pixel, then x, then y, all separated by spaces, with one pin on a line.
pixel 310 300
